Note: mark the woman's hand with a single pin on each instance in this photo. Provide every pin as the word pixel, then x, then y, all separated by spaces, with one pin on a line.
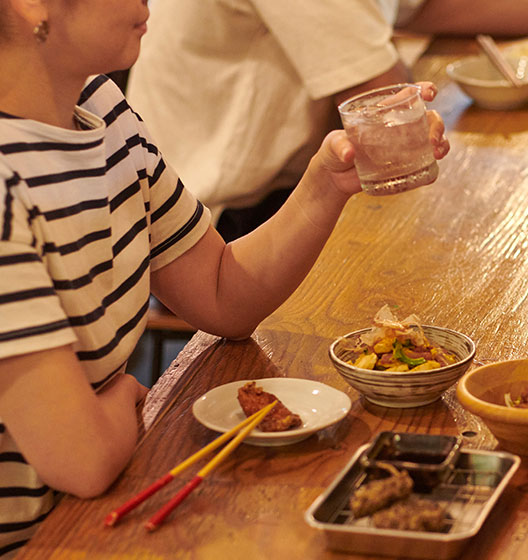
pixel 437 135
pixel 139 390
pixel 335 159
pixel 336 154
pixel 436 125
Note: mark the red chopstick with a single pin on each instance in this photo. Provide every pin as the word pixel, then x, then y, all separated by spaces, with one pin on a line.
pixel 246 426
pixel 157 519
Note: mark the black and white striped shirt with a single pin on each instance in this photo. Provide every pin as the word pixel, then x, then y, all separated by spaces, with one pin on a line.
pixel 84 217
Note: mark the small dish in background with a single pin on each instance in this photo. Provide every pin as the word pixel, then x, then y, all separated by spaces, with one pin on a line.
pixel 479 79
pixel 482 391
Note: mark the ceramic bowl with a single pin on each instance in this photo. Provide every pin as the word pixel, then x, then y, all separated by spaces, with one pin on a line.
pixel 482 390
pixel 407 389
pixel 479 79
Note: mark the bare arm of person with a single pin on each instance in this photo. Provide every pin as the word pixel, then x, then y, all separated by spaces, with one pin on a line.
pixel 469 17
pixel 77 441
pixel 398 74
pixel 229 289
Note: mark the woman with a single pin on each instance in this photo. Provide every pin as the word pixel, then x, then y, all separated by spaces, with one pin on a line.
pixel 92 221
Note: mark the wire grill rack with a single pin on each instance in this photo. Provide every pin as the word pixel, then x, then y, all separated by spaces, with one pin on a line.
pixel 467 494
pixel 461 496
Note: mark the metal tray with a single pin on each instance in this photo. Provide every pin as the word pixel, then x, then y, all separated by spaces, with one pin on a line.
pixel 470 491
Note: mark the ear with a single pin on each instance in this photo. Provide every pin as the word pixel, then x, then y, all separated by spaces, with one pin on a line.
pixel 32 11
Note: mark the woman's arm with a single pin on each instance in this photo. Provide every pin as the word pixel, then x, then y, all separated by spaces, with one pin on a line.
pixel 77 441
pixel 229 289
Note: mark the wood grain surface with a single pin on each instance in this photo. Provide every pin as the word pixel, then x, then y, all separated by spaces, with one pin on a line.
pixel 455 253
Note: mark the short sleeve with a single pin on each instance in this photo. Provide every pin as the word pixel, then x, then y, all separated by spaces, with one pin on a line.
pixel 178 219
pixel 333 45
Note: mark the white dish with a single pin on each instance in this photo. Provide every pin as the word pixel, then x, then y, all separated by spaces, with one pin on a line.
pixel 318 405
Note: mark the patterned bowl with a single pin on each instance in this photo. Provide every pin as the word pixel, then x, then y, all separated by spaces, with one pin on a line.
pixel 406 389
pixel 482 391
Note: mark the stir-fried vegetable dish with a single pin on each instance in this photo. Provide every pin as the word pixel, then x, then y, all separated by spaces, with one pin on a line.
pixel 393 345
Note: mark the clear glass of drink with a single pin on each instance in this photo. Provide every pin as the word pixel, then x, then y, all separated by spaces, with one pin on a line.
pixel 389 130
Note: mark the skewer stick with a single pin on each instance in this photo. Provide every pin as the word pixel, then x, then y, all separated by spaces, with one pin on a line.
pixel 113 517
pixel 157 519
pixel 488 45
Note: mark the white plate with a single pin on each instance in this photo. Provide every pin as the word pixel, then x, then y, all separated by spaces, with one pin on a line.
pixel 318 405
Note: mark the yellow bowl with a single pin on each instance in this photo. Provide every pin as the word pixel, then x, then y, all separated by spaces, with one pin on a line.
pixel 482 390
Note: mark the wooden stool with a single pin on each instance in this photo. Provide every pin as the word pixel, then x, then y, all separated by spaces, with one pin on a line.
pixel 163 324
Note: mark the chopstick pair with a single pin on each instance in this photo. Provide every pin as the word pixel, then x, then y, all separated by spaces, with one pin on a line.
pixel 243 429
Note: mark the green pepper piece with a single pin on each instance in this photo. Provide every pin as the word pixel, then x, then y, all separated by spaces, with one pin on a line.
pixel 400 355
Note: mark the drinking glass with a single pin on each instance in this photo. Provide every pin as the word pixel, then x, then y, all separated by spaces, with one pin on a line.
pixel 389 130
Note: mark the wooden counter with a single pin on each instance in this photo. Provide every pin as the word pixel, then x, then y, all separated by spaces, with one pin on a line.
pixel 455 253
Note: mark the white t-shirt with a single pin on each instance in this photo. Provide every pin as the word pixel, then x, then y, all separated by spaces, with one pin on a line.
pixel 400 12
pixel 237 92
pixel 85 216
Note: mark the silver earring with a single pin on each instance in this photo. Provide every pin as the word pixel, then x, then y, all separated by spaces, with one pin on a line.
pixel 41 31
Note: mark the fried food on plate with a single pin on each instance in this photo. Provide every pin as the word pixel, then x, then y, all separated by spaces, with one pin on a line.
pixel 279 419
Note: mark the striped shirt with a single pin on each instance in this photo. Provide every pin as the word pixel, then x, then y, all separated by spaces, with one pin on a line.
pixel 85 216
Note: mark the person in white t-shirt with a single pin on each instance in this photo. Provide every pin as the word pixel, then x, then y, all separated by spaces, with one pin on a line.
pixel 92 220
pixel 256 84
